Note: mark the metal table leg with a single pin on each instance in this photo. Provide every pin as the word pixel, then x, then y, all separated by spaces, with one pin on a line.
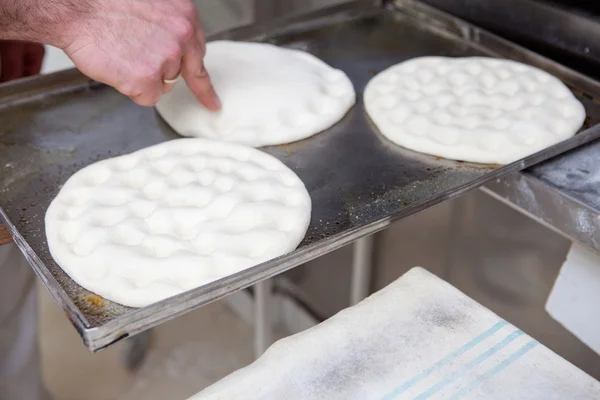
pixel 362 263
pixel 262 316
pixel 136 349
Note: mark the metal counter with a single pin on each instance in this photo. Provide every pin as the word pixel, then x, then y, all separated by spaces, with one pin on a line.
pixel 359 182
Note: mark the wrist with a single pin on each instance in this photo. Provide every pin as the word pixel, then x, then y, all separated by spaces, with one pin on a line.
pixel 62 20
pixel 68 20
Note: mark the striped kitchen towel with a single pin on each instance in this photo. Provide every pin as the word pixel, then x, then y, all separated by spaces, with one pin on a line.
pixel 419 338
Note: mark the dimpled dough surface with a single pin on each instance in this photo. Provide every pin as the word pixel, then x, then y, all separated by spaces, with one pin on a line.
pixel 475 109
pixel 142 227
pixel 270 96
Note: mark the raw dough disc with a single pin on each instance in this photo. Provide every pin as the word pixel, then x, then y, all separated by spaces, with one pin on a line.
pixel 270 96
pixel 475 109
pixel 142 227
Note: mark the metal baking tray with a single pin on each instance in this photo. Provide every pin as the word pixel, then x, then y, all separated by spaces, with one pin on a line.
pixel 52 126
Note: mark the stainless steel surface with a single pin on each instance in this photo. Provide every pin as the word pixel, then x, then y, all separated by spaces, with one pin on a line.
pixel 49 134
pixel 263 326
pixel 269 10
pixel 362 269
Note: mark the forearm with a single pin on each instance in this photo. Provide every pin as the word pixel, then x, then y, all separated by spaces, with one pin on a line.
pixel 42 21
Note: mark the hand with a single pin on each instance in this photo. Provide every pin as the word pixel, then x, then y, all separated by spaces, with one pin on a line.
pixel 134 45
pixel 20 59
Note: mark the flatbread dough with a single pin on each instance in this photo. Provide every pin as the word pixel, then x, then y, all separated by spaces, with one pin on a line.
pixel 474 109
pixel 270 96
pixel 142 227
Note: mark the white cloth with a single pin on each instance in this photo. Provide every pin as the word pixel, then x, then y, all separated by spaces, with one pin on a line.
pixel 575 298
pixel 419 338
pixel 20 376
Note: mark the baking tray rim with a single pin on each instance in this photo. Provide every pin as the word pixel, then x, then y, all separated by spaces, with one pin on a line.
pixel 138 320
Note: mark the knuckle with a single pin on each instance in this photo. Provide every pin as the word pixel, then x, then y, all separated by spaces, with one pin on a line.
pixel 146 99
pixel 173 53
pixel 143 101
pixel 151 101
pixel 128 90
pixel 149 73
pixel 142 83
pixel 184 29
pixel 189 10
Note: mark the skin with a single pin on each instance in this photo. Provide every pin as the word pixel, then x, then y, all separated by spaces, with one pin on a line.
pixel 131 45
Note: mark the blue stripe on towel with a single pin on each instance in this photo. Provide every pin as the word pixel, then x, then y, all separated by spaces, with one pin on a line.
pixel 498 368
pixel 449 358
pixel 448 379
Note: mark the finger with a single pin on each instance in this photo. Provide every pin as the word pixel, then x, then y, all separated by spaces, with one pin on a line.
pixel 145 84
pixel 33 58
pixel 200 37
pixel 145 100
pixel 196 76
pixel 172 69
pixel 12 61
pixel 145 91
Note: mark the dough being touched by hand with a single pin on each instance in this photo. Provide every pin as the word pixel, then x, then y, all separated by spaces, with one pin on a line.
pixel 270 95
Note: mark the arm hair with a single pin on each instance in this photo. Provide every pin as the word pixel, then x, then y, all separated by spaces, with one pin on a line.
pixel 42 21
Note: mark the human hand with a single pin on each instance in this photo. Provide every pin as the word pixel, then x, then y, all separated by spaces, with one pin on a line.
pixel 135 45
pixel 19 59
